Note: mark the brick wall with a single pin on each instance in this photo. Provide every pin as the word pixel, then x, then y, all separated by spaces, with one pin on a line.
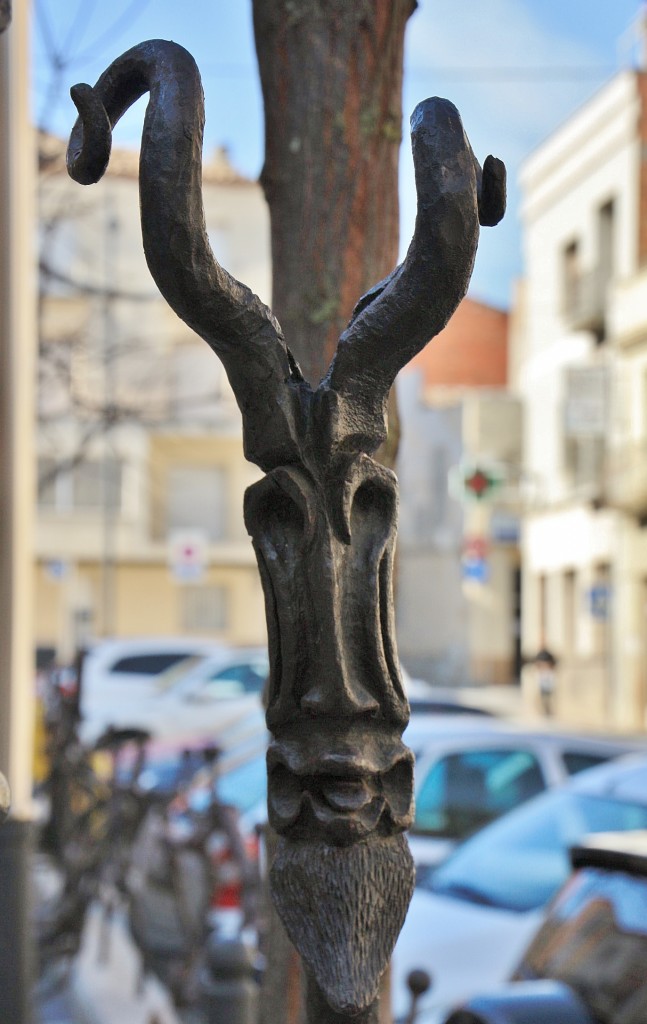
pixel 472 351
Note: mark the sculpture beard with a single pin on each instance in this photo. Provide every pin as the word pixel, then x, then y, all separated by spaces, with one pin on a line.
pixel 343 908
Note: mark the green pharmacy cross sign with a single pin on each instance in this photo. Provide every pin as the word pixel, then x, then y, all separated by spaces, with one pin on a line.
pixel 475 481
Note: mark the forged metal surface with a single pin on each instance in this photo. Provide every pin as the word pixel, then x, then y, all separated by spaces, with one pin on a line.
pixel 352 901
pixel 323 520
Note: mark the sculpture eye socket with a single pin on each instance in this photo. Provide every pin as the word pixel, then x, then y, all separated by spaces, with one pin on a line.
pixel 282 524
pixel 372 514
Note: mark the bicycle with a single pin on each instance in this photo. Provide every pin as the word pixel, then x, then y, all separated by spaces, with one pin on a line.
pixel 93 811
pixel 174 873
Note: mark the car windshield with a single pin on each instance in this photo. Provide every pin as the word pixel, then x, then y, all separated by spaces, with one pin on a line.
pixel 521 860
pixel 231 678
pixel 176 672
pixel 466 790
pixel 237 679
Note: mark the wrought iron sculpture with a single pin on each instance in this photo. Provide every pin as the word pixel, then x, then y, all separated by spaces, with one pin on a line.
pixel 323 518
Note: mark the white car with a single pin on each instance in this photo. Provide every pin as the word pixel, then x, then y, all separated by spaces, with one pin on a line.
pixel 471 919
pixel 471 770
pixel 211 694
pixel 170 686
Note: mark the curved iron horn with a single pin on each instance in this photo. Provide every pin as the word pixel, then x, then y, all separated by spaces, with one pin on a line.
pixel 397 318
pixel 231 319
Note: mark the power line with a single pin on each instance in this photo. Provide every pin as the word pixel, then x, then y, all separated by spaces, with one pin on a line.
pixel 114 31
pixel 545 73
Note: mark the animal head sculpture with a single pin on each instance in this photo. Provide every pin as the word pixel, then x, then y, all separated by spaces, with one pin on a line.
pixel 323 519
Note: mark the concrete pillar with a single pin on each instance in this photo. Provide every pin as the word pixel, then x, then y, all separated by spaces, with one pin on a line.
pixel 17 348
pixel 17 354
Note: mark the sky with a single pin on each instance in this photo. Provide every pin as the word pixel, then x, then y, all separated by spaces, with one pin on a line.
pixel 516 69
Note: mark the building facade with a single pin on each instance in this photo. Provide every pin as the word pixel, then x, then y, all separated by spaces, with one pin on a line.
pixel 458 592
pixel 140 461
pixel 580 367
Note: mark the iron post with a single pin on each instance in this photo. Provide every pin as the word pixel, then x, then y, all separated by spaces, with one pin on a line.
pixel 323 519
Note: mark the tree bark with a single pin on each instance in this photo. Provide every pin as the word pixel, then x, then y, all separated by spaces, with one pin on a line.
pixel 331 75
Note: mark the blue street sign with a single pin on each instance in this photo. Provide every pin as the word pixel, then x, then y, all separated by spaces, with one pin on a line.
pixel 599 601
pixel 475 570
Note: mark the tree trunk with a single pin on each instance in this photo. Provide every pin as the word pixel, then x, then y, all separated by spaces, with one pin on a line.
pixel 331 75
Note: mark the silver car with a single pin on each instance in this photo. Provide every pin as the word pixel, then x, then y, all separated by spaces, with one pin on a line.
pixel 471 919
pixel 470 771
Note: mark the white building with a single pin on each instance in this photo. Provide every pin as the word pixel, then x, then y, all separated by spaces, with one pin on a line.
pixel 458 593
pixel 580 365
pixel 142 474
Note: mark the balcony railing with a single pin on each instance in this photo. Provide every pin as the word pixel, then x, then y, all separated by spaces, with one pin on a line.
pixel 584 301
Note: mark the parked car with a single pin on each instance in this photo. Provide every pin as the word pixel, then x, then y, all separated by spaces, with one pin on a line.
pixel 471 770
pixel 169 686
pixel 228 682
pixel 177 685
pixel 452 754
pixel 587 963
pixel 471 919
pixel 440 700
pixel 444 747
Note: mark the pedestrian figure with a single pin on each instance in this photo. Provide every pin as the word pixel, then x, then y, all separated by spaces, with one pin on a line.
pixel 545 664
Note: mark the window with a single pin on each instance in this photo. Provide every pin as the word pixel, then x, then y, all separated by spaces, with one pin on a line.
pixel 96 484
pixel 571 275
pixel 464 791
pixel 92 484
pixel 606 242
pixel 203 608
pixel 587 393
pixel 237 680
pixel 520 861
pixel 196 500
pixel 575 761
pixel 147 664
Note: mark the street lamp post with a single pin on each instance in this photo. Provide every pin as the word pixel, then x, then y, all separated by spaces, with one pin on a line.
pixel 323 518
